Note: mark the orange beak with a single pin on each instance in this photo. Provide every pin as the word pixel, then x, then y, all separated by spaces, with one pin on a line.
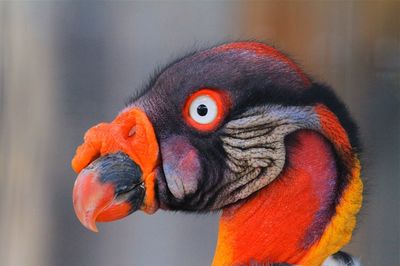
pixel 116 166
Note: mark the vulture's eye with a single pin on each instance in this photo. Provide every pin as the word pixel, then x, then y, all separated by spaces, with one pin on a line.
pixel 205 109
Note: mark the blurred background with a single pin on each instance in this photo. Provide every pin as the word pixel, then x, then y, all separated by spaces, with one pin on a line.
pixel 65 66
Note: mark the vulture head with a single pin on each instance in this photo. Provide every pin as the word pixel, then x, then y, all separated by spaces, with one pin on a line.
pixel 238 128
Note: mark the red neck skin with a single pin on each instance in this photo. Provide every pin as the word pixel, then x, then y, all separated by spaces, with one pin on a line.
pixel 282 221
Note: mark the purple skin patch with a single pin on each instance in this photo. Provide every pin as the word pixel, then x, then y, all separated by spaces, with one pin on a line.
pixel 181 166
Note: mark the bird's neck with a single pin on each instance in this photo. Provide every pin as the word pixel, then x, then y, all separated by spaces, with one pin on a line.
pixel 282 222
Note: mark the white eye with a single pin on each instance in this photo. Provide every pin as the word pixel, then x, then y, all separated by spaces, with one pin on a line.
pixel 203 109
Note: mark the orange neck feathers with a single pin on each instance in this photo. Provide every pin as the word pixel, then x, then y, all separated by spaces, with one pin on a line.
pixel 283 221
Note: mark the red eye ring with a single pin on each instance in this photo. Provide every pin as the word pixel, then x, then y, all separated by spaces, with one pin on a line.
pixel 219 98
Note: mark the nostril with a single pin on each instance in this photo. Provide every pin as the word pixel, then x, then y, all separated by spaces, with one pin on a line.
pixel 132 131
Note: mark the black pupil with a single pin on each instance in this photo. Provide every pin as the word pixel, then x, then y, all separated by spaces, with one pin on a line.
pixel 202 110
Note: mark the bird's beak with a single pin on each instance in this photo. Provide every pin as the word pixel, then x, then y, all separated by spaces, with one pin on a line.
pixel 116 166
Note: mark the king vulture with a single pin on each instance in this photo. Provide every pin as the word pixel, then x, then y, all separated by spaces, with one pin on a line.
pixel 237 128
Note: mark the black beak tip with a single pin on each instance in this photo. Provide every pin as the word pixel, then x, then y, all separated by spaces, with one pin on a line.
pixel 119 169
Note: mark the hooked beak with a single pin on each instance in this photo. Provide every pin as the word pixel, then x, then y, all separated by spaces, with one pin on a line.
pixel 116 166
pixel 109 189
